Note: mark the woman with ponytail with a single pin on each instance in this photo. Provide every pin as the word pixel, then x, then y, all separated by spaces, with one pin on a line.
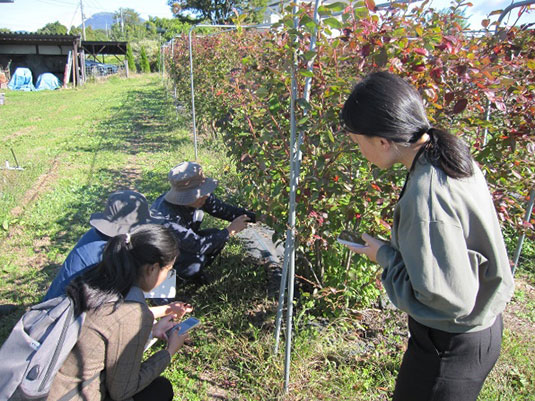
pixel 106 363
pixel 446 264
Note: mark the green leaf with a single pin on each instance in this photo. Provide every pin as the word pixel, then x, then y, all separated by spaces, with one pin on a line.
pixel 336 7
pixel 303 121
pixel 306 73
pixel 330 135
pixel 306 20
pixel 333 23
pixel 262 92
pixel 361 13
pixel 5 225
pixel 309 55
pixel 324 11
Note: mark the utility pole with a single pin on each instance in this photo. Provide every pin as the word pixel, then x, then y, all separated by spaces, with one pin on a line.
pixel 83 19
pixel 122 21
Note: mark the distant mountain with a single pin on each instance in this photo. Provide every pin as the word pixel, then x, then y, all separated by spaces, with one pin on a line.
pixel 100 21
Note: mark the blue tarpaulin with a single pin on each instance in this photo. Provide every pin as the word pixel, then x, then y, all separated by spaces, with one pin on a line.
pixel 48 81
pixel 21 80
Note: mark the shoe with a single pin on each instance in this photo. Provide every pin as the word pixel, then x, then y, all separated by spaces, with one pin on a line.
pixel 161 301
pixel 198 279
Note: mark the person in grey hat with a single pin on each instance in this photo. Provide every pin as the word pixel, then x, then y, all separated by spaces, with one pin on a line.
pixel 124 211
pixel 184 205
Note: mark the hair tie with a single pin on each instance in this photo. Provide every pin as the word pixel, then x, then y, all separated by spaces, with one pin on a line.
pixel 418 134
pixel 127 239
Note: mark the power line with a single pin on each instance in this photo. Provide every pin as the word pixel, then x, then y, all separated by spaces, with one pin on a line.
pixel 73 16
pixel 57 2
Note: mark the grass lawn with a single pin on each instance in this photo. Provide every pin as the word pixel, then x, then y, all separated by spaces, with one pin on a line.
pixel 77 146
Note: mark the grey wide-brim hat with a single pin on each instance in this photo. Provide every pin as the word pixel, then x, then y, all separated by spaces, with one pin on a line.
pixel 124 211
pixel 188 184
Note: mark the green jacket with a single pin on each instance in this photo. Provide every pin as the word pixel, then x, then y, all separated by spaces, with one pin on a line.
pixel 447 265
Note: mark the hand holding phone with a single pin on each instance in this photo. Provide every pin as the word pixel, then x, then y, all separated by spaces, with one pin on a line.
pixel 352 239
pixel 178 333
pixel 183 327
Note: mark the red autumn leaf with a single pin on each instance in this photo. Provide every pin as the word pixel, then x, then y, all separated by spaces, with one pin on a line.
pixel 419 68
pixel 436 73
pixel 527 224
pixel 449 97
pixel 421 51
pixel 370 4
pixel 460 106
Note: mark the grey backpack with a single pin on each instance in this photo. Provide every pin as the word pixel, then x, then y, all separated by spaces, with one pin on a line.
pixel 36 349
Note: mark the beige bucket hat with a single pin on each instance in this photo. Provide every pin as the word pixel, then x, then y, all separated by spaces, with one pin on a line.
pixel 188 184
pixel 124 211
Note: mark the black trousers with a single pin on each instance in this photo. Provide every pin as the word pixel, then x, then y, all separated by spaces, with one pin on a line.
pixel 441 366
pixel 189 264
pixel 160 389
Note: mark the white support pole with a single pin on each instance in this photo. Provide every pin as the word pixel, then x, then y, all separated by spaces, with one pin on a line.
pixel 295 167
pixel 294 176
pixel 527 217
pixel 282 288
pixel 192 92
pixel 295 148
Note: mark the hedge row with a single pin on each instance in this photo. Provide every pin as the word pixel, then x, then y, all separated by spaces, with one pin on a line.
pixel 242 86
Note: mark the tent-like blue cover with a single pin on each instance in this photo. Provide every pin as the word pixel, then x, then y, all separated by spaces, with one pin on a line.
pixel 48 81
pixel 21 80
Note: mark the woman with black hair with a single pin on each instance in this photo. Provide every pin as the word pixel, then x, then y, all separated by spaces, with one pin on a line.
pixel 446 264
pixel 106 363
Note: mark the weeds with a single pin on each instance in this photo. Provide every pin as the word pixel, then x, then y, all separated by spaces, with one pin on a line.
pixel 124 134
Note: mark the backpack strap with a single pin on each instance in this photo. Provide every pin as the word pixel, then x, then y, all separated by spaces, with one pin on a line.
pixel 78 388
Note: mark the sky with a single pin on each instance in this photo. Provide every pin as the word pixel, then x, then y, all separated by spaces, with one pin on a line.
pixel 30 15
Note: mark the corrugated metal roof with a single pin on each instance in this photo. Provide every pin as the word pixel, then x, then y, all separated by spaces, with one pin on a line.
pixel 35 39
pixel 92 47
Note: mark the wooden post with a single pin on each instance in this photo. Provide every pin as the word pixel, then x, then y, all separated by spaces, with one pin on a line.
pixel 126 68
pixel 74 65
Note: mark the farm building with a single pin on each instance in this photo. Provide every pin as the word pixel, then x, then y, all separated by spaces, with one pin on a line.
pixel 62 55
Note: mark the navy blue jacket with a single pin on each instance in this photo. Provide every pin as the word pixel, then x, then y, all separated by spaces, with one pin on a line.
pixel 87 252
pixel 187 228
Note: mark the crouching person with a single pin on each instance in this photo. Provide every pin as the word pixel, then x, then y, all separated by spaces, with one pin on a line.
pixel 184 205
pixel 106 362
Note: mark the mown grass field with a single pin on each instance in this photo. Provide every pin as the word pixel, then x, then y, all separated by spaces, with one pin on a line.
pixel 77 146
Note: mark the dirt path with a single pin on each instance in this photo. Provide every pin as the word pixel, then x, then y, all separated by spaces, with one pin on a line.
pixel 42 185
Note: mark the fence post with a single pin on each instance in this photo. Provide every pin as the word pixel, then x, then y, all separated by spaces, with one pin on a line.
pixel 527 217
pixel 192 91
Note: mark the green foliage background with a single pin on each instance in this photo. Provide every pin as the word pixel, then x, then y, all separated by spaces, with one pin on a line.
pixel 242 85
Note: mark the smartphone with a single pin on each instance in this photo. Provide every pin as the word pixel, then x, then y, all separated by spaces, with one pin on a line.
pixel 351 239
pixel 184 326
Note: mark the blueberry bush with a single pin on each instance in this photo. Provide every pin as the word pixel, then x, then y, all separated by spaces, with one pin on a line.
pixel 479 86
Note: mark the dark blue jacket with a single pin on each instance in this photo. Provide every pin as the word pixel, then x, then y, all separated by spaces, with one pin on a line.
pixel 87 252
pixel 182 221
